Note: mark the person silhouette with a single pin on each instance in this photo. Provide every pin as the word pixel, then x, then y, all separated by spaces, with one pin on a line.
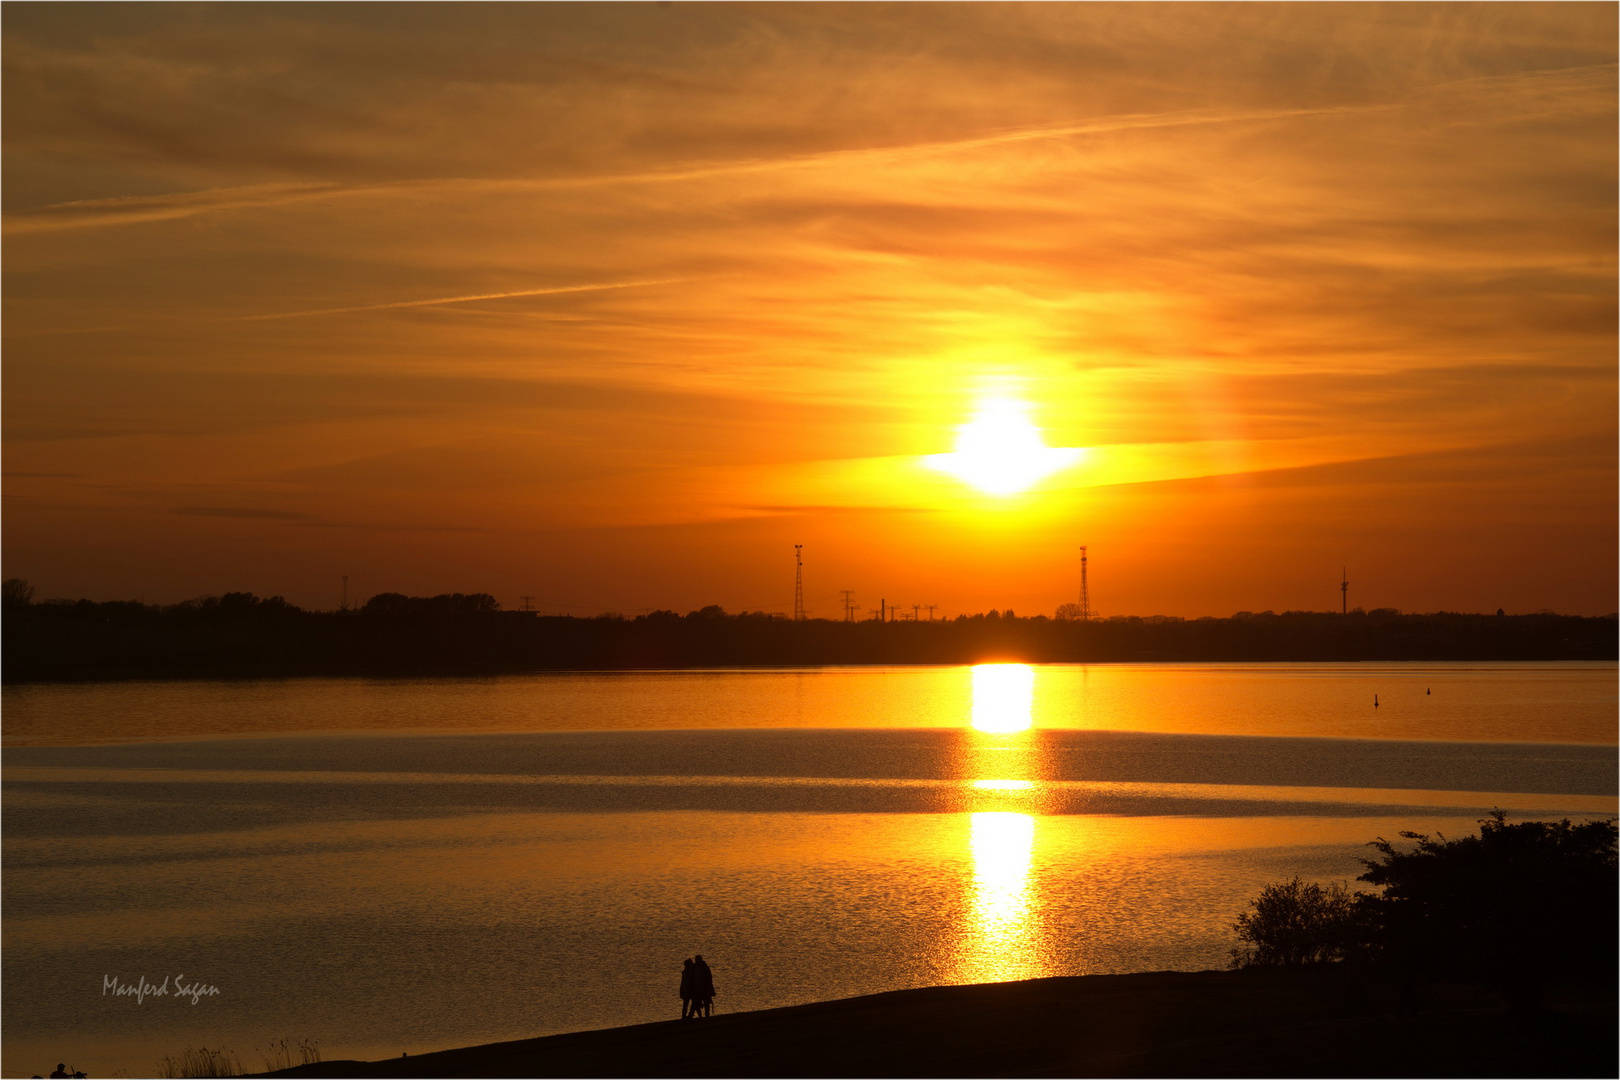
pixel 702 987
pixel 60 1073
pixel 688 973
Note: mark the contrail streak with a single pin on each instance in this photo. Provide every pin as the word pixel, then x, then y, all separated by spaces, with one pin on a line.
pixel 130 210
pixel 141 209
pixel 127 210
pixel 461 299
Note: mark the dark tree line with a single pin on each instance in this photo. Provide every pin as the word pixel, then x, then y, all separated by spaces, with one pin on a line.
pixel 239 634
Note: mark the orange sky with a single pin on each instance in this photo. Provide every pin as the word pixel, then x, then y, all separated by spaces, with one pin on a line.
pixel 612 305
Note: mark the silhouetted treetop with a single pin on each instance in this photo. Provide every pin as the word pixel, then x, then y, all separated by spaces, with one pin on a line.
pixel 399 605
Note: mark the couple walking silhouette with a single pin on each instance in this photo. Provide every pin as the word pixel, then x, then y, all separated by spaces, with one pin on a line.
pixel 697 989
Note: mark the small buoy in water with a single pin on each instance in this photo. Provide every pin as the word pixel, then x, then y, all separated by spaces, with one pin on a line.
pixel 1375 701
pixel 1428 691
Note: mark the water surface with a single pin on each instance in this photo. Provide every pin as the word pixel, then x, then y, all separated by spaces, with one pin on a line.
pixel 1505 702
pixel 391 866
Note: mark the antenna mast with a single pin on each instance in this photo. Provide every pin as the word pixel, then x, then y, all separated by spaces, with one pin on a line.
pixel 1085 593
pixel 1344 591
pixel 798 583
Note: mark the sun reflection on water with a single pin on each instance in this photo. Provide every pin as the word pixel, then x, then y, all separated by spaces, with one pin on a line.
pixel 1003 697
pixel 1000 946
pixel 1001 766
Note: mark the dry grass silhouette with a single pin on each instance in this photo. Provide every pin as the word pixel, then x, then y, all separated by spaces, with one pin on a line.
pixel 199 1062
pixel 284 1054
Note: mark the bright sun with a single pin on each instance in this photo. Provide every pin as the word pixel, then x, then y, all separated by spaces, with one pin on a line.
pixel 1000 451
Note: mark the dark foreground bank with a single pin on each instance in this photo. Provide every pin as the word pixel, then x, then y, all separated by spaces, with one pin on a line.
pixel 1278 1022
pixel 241 636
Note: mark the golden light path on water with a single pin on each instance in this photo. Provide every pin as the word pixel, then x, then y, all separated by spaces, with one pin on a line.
pixel 1001 943
pixel 1003 844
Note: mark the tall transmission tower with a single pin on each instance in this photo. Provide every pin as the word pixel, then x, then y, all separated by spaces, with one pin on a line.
pixel 798 583
pixel 915 608
pixel 1085 592
pixel 528 602
pixel 1344 591
pixel 930 608
pixel 847 598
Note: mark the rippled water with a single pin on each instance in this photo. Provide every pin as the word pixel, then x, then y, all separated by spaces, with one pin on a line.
pixel 485 859
pixel 1482 702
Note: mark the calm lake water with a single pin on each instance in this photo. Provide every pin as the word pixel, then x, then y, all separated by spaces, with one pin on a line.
pixel 407 865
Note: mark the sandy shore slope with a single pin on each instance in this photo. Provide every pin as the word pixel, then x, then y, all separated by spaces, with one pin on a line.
pixel 1253 1023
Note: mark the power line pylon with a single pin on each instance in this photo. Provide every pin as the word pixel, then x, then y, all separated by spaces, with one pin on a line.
pixel 528 602
pixel 1344 590
pixel 798 583
pixel 930 608
pixel 847 598
pixel 915 610
pixel 1085 592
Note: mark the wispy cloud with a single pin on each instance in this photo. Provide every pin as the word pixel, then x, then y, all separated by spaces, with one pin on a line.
pixel 146 209
pixel 142 209
pixel 441 300
pixel 132 210
pixel 247 512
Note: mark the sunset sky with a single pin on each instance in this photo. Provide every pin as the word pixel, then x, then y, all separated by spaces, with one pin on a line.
pixel 611 305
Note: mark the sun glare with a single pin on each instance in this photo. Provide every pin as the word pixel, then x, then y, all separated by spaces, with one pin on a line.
pixel 1001 452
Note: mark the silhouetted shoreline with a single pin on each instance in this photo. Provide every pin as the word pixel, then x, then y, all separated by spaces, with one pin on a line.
pixel 1320 1021
pixel 241 636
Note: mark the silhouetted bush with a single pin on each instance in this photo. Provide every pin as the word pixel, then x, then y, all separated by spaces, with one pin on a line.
pixel 1516 905
pixel 1298 923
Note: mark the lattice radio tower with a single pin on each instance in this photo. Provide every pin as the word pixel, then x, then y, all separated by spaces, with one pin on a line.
pixel 1085 593
pixel 798 583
